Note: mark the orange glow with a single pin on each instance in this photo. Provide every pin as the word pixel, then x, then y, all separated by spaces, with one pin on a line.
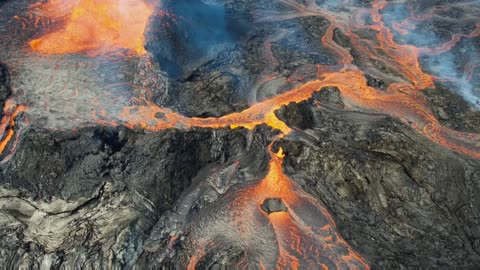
pixel 7 124
pixel 276 183
pixel 400 101
pixel 297 240
pixel 94 26
pixel 305 234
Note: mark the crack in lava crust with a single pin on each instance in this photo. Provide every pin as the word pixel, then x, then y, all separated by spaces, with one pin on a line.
pixel 94 27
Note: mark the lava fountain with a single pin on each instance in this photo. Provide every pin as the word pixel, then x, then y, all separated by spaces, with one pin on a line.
pixel 94 27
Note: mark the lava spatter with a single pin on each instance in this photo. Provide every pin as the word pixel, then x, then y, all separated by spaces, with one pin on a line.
pixel 94 27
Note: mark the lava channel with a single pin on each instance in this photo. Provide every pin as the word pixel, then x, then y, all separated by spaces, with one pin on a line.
pixel 303 237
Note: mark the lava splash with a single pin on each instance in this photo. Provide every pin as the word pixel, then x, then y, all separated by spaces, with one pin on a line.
pixel 94 27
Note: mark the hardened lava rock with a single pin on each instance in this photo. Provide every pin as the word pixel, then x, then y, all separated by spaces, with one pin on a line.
pixel 92 197
pixel 4 85
pixel 273 205
pixel 400 200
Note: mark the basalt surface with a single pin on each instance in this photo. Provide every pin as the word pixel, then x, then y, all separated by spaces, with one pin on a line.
pixel 240 134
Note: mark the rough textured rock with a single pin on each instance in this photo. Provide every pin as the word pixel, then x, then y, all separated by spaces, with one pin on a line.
pixel 100 190
pixel 71 165
pixel 406 191
pixel 54 233
pixel 273 205
pixel 452 110
pixel 208 70
pixel 214 89
pixel 299 116
pixel 168 239
pixel 4 85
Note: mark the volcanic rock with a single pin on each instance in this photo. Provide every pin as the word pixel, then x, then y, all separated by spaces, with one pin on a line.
pixel 296 115
pixel 185 31
pixel 82 177
pixel 330 96
pixel 401 185
pixel 273 205
pixel 452 110
pixel 4 85
pixel 72 165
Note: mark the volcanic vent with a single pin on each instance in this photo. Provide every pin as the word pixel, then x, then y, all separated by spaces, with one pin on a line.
pixel 194 134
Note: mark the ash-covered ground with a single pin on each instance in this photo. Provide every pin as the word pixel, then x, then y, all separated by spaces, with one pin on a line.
pixel 251 134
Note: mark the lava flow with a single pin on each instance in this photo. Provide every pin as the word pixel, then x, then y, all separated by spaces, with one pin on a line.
pixel 94 26
pixel 304 235
pixel 401 99
pixel 400 102
pixel 8 124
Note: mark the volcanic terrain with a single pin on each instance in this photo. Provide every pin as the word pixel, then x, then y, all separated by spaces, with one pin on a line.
pixel 239 134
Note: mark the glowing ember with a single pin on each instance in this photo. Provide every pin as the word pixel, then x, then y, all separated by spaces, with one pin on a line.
pixel 94 27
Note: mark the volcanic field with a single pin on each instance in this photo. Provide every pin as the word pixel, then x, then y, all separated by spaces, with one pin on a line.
pixel 239 134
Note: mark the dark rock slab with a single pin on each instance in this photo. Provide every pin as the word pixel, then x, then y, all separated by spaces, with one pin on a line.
pixel 273 205
pixel 5 90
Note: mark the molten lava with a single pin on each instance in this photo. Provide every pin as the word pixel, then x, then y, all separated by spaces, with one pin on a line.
pixel 8 124
pixel 304 235
pixel 94 26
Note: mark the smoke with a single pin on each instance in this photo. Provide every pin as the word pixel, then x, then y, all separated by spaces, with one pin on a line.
pixel 431 31
pixel 207 20
pixel 188 30
pixel 445 67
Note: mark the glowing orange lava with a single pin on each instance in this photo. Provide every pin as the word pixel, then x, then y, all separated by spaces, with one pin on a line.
pixel 304 241
pixel 401 101
pixel 94 26
pixel 305 234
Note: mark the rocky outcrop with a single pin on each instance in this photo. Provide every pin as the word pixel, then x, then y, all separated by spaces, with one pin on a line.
pixel 92 198
pixel 273 205
pixel 5 90
pixel 104 230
